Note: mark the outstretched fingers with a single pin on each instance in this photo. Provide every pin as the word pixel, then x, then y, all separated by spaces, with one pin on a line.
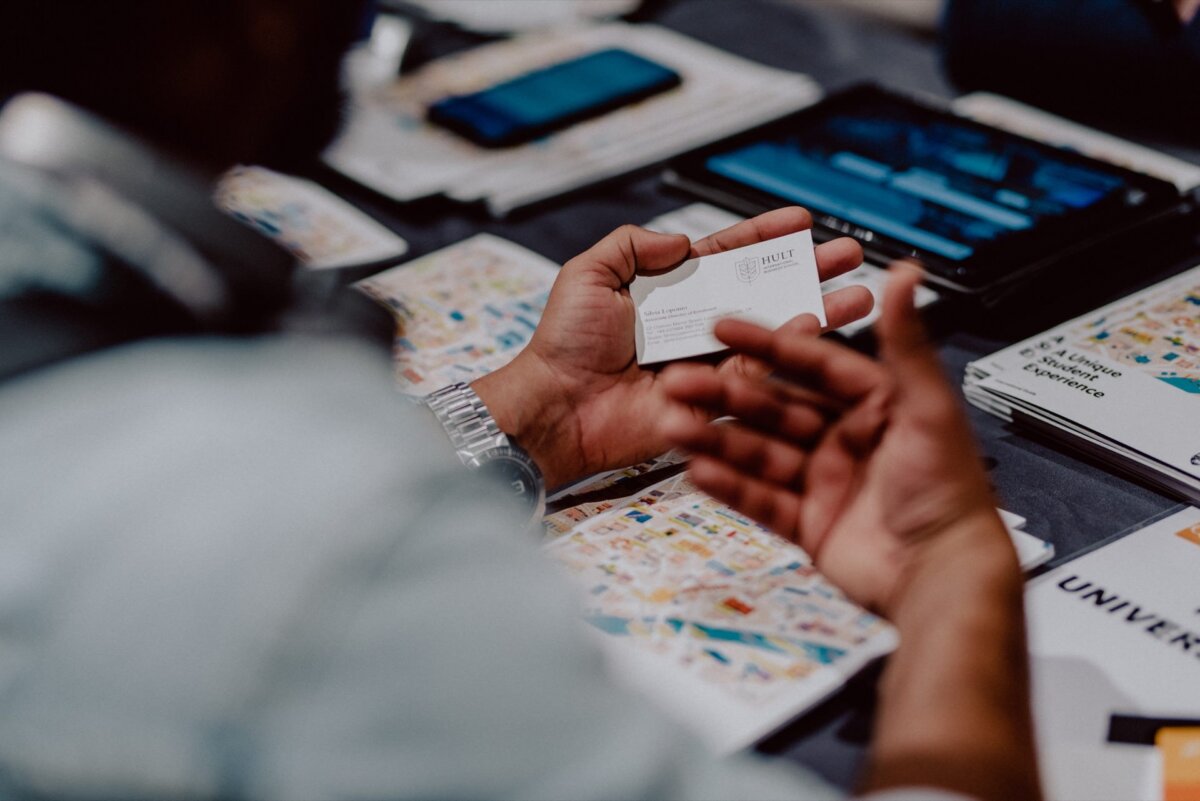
pixel 908 353
pixel 775 408
pixel 829 368
pixel 779 222
pixel 845 305
pixel 771 505
pixel 743 449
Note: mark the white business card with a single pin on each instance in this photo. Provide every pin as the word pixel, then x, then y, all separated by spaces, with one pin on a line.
pixel 767 283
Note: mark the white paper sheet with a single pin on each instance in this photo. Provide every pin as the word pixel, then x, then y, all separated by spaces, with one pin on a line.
pixel 1116 630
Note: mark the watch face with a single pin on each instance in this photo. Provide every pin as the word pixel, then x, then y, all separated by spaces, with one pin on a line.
pixel 516 474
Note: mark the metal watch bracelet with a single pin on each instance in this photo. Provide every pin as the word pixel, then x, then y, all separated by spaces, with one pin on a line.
pixel 468 423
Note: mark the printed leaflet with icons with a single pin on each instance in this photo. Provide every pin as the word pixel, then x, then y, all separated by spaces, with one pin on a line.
pixel 462 311
pixel 1121 383
pixel 727 626
pixel 319 228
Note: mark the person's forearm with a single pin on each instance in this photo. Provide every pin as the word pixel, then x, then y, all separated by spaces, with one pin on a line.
pixel 954 699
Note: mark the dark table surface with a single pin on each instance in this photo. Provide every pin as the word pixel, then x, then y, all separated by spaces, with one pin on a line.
pixel 1072 503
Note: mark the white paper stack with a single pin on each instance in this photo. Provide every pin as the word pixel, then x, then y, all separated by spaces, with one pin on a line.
pixel 1121 384
pixel 389 147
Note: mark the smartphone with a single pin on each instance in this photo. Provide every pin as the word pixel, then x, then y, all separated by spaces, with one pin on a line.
pixel 552 98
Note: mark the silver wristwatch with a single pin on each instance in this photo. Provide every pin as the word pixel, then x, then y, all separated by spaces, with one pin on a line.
pixel 481 445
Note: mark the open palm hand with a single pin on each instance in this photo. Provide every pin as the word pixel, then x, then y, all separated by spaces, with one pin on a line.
pixel 576 397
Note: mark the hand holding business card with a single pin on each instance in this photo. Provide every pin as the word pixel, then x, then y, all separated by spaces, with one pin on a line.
pixel 767 283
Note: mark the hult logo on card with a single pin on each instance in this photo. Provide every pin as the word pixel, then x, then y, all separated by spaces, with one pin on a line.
pixel 747 269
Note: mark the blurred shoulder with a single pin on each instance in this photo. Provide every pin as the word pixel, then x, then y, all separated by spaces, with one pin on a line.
pixel 285 435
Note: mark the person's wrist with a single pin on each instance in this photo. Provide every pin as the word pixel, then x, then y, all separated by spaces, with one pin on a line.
pixel 970 558
pixel 531 408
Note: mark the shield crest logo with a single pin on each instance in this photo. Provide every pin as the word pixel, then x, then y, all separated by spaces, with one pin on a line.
pixel 747 269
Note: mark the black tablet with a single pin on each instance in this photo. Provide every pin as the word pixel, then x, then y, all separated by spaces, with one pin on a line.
pixel 977 206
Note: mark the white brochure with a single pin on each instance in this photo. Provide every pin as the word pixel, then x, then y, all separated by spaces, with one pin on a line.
pixel 1114 631
pixel 1121 382
pixel 767 283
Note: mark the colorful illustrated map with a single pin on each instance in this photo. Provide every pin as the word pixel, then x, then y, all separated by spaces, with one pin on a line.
pixel 318 227
pixel 580 503
pixel 462 311
pixel 673 571
pixel 1158 334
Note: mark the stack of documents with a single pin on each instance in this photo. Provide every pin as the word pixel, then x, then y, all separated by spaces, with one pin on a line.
pixel 389 147
pixel 1121 384
pixel 1031 551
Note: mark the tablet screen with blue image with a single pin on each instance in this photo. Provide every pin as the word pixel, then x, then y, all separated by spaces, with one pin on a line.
pixel 942 186
pixel 977 206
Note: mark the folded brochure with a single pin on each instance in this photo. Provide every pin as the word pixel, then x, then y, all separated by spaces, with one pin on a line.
pixel 1121 383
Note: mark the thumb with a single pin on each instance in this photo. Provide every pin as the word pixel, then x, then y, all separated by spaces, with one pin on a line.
pixel 905 347
pixel 629 250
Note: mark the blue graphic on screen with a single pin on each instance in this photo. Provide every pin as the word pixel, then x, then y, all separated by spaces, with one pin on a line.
pixel 560 91
pixel 943 187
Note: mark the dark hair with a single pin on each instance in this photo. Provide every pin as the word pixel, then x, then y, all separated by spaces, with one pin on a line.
pixel 102 55
pixel 188 73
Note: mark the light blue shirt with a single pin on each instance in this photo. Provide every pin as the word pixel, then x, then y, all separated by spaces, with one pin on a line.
pixel 248 568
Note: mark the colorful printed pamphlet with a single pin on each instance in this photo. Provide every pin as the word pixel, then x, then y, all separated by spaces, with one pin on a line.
pixel 318 227
pixel 726 626
pixel 1121 383
pixel 462 311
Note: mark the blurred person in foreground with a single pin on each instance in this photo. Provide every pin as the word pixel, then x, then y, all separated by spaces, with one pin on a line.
pixel 235 564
